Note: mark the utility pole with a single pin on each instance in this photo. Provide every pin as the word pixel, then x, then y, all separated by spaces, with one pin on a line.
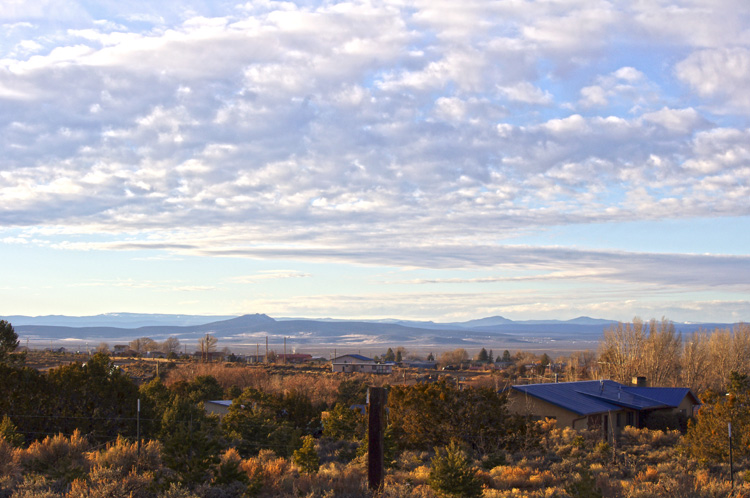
pixel 284 362
pixel 266 350
pixel 377 397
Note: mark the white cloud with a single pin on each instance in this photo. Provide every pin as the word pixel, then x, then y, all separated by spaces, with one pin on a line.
pixel 720 74
pixel 682 121
pixel 626 84
pixel 526 93
pixel 343 129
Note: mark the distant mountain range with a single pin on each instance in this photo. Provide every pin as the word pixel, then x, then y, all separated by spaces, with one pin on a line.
pixel 247 330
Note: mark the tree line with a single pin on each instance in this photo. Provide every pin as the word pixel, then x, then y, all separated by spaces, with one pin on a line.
pixel 701 360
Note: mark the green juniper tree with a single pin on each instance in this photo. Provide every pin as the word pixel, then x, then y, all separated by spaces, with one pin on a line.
pixel 306 458
pixel 452 475
pixel 8 345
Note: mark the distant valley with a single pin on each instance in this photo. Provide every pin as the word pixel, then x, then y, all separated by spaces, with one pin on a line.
pixel 247 332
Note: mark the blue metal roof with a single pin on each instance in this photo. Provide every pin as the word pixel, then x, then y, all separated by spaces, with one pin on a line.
pixel 671 396
pixel 357 356
pixel 598 396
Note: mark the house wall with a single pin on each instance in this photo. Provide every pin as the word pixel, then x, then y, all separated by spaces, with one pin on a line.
pixel 215 409
pixel 686 406
pixel 361 367
pixel 522 404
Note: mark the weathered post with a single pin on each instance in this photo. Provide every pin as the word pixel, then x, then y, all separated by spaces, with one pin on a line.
pixel 377 401
pixel 138 430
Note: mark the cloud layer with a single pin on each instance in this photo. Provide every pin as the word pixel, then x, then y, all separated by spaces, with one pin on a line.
pixel 420 134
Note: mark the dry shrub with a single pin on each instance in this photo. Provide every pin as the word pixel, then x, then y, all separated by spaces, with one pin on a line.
pixel 421 474
pixel 10 471
pixel 410 460
pixel 108 482
pixel 36 486
pixel 341 480
pixel 634 437
pixel 330 450
pixel 58 457
pixel 551 492
pixel 396 488
pixel 317 387
pixel 236 375
pixel 541 479
pixel 520 477
pixel 702 478
pixel 268 472
pixel 122 456
pixel 506 476
pixel 648 475
pixel 178 491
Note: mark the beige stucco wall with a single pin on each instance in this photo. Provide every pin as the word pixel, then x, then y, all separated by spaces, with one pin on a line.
pixel 522 404
pixel 347 366
pixel 687 405
pixel 215 409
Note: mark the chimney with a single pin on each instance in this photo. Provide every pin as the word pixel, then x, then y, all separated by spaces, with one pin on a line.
pixel 639 381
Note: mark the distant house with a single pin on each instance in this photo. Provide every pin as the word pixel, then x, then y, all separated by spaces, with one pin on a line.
pixel 209 356
pixel 423 365
pixel 123 350
pixel 293 358
pixel 155 354
pixel 604 404
pixel 350 363
pixel 217 407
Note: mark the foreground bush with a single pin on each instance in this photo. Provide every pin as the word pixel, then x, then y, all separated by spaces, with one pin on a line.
pixel 452 475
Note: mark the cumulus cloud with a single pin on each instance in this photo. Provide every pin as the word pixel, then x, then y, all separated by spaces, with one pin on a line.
pixel 722 75
pixel 345 131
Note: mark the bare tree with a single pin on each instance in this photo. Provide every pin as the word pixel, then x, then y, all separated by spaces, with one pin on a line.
pixel 103 347
pixel 696 362
pixel 621 350
pixel 171 345
pixel 661 355
pixel 728 352
pixel 143 345
pixel 207 345
pixel 453 357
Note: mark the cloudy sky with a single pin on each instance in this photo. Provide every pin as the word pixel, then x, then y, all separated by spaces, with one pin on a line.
pixel 422 159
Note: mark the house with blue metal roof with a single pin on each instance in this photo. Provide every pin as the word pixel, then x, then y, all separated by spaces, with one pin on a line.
pixel 350 363
pixel 604 404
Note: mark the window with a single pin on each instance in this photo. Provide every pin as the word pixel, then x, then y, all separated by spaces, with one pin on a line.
pixel 619 420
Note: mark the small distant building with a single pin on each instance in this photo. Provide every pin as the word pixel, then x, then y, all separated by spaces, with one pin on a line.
pixel 423 365
pixel 209 356
pixel 350 363
pixel 293 358
pixel 155 354
pixel 217 407
pixel 123 350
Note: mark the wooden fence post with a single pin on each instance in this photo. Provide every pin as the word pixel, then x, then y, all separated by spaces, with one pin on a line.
pixel 377 401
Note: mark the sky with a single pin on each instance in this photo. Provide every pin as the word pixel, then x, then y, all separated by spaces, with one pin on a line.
pixel 416 159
